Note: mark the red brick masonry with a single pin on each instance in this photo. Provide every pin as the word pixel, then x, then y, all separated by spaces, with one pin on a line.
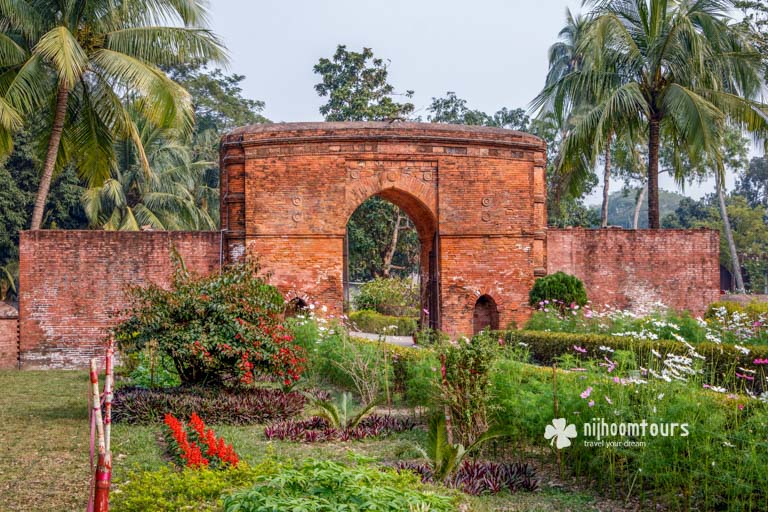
pixel 72 283
pixel 9 336
pixel 288 191
pixel 636 269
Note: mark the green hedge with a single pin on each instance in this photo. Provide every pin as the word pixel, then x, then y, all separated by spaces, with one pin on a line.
pixel 721 360
pixel 371 321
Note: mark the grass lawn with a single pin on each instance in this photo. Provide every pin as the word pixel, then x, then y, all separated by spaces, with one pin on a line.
pixel 44 436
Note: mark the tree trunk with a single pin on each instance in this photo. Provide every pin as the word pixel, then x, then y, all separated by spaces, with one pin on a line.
pixel 606 184
pixel 653 172
pixel 60 115
pixel 390 254
pixel 639 205
pixel 729 236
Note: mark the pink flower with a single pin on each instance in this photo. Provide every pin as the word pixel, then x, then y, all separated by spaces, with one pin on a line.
pixel 609 400
pixel 585 394
pixel 741 407
pixel 761 361
pixel 591 403
pixel 579 349
pixel 746 377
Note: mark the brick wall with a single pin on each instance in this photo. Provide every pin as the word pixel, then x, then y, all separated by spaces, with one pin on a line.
pixel 634 269
pixel 9 336
pixel 72 283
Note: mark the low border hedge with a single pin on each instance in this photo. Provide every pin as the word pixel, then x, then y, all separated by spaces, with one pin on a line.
pixel 374 322
pixel 721 360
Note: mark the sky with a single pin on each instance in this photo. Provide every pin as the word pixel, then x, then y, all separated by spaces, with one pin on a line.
pixel 493 53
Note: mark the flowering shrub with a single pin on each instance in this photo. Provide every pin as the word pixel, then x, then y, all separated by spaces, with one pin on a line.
pixel 196 446
pixel 696 468
pixel 219 329
pixel 723 323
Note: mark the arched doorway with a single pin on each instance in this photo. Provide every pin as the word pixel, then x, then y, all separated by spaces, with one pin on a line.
pixel 486 314
pixel 407 248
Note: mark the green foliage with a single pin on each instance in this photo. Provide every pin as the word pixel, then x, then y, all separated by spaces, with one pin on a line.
pixel 562 287
pixel 371 321
pixel 753 183
pixel 169 490
pixel 699 470
pixel 464 388
pixel 151 368
pixel 81 57
pixel 454 110
pixel 221 328
pixel 720 365
pixel 649 82
pixel 357 88
pixel 389 296
pixel 372 229
pixel 325 486
pixel 338 413
pixel 445 457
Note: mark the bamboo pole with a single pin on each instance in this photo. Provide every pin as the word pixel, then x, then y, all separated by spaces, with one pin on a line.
pixel 104 464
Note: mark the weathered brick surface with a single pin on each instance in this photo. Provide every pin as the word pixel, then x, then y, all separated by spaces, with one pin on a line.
pixel 9 336
pixel 291 188
pixel 288 191
pixel 72 283
pixel 636 269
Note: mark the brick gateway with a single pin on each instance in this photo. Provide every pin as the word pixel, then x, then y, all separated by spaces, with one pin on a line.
pixel 475 195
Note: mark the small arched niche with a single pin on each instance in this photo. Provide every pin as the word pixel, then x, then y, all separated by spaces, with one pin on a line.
pixel 486 314
pixel 295 307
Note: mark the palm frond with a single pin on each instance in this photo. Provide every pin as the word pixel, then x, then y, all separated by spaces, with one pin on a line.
pixel 61 49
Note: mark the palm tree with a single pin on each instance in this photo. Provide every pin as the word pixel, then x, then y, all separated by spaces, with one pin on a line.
pixel 79 58
pixel 171 194
pixel 679 68
pixel 565 58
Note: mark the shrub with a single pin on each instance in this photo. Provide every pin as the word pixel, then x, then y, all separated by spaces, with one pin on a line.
pixel 169 490
pixel 394 296
pixel 320 486
pixel 258 405
pixel 222 328
pixel 561 287
pixel 479 477
pixel 319 430
pixel 195 446
pixel 372 321
pixel 465 369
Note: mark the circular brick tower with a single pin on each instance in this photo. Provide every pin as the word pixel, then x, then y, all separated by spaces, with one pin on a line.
pixel 475 195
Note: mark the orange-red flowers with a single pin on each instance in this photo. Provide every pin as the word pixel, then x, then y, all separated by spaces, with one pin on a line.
pixel 186 444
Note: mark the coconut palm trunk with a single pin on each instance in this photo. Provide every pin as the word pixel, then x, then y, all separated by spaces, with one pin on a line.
pixel 654 135
pixel 606 185
pixel 736 265
pixel 639 205
pixel 50 157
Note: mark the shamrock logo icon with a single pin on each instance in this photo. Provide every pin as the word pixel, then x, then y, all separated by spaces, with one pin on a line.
pixel 559 433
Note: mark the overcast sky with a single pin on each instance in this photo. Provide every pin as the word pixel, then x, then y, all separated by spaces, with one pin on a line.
pixel 493 53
